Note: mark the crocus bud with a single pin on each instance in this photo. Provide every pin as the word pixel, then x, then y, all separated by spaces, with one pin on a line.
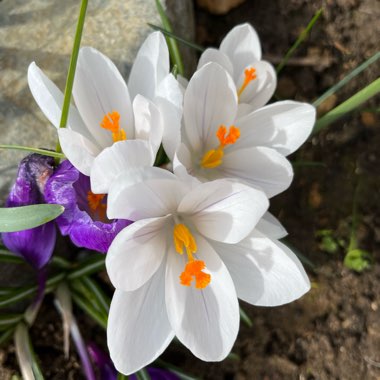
pixel 36 244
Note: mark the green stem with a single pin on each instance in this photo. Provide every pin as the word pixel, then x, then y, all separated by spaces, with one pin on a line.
pixel 43 152
pixel 349 105
pixel 71 72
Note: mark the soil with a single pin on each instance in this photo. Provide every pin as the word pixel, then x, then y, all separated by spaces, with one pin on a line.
pixel 333 331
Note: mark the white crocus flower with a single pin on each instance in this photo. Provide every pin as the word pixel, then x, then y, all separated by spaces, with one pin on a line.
pixel 218 143
pixel 240 54
pixel 169 278
pixel 108 119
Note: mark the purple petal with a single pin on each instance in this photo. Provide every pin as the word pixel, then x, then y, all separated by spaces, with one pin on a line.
pixel 35 245
pixel 69 188
pixel 106 369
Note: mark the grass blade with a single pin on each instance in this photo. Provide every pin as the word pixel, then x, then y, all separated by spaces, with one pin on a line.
pixel 348 106
pixel 178 38
pixel 9 257
pixel 43 152
pixel 347 78
pixel 175 55
pixel 25 217
pixel 244 317
pixel 92 265
pixel 302 37
pixel 72 68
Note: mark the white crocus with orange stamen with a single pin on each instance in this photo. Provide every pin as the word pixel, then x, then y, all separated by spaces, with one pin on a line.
pixel 109 123
pixel 219 143
pixel 240 54
pixel 168 276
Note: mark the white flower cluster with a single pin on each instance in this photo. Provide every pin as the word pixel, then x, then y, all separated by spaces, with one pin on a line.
pixel 202 236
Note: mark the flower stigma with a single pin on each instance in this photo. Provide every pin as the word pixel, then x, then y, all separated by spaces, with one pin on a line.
pixel 95 202
pixel 193 270
pixel 213 157
pixel 250 75
pixel 111 122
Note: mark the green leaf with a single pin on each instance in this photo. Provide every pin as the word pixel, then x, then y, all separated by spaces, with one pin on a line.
pixel 349 105
pixel 92 265
pixel 175 55
pixel 358 260
pixel 6 335
pixel 302 37
pixel 176 370
pixel 179 39
pixel 25 217
pixel 7 320
pixel 43 152
pixel 347 78
pixel 143 374
pixel 120 376
pixel 9 257
pixel 244 317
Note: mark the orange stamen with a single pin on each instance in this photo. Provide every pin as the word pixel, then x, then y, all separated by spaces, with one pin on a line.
pixel 250 75
pixel 95 201
pixel 184 239
pixel 111 122
pixel 213 157
pixel 193 270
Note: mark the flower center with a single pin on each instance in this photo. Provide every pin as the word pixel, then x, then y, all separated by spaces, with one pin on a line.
pixel 95 201
pixel 213 157
pixel 111 122
pixel 250 75
pixel 193 270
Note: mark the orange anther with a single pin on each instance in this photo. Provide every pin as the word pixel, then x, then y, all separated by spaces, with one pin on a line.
pixel 233 135
pixel 95 201
pixel 250 75
pixel 111 122
pixel 193 270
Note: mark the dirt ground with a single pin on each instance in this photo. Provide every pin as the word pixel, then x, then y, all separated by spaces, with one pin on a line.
pixel 332 332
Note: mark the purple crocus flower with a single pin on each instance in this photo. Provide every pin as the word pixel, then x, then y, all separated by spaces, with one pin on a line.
pixel 84 218
pixel 36 244
pixel 107 370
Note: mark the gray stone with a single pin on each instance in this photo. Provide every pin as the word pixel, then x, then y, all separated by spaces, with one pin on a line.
pixel 43 31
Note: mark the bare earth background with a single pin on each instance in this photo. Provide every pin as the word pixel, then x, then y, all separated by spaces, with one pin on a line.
pixel 332 332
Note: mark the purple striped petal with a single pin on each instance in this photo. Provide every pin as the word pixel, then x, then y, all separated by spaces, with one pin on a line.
pixel 86 227
pixel 35 245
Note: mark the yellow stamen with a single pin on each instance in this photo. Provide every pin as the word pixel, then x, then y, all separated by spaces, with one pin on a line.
pixel 111 122
pixel 95 201
pixel 250 75
pixel 184 239
pixel 213 157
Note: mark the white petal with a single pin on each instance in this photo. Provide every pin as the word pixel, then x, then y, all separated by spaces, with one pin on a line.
pixel 265 272
pixel 210 100
pixel 50 99
pixel 148 122
pixel 215 55
pixel 205 320
pixel 80 151
pixel 147 197
pixel 260 90
pixel 99 89
pixel 283 126
pixel 263 168
pixel 271 227
pixel 224 210
pixel 136 253
pixel 138 329
pixel 150 67
pixel 117 158
pixel 169 100
pixel 242 46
